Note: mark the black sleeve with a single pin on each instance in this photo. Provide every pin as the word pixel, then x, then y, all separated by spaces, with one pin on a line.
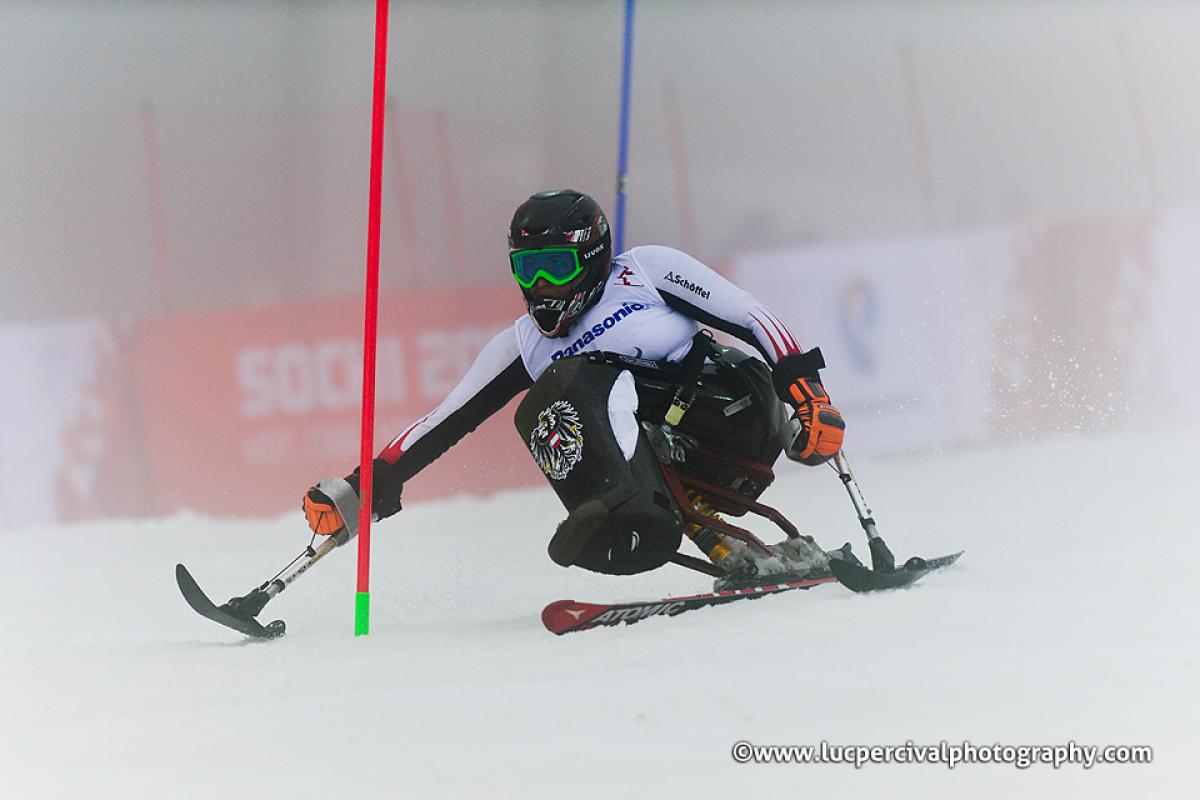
pixel 511 381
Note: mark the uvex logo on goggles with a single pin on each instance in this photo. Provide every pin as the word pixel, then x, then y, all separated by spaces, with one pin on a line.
pixel 555 265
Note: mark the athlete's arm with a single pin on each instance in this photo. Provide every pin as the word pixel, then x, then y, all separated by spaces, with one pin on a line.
pixel 689 287
pixel 696 291
pixel 497 376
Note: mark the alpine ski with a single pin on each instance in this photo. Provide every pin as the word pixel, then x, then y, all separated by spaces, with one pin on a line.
pixel 565 616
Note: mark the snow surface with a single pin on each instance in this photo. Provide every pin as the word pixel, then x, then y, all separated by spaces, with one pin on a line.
pixel 1071 617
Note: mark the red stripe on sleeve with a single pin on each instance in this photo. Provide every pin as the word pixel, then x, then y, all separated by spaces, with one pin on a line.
pixel 395 448
pixel 778 352
pixel 784 334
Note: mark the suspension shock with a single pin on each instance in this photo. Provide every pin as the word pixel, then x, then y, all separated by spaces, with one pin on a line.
pixel 709 541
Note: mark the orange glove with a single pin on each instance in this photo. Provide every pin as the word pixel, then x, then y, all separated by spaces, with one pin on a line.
pixel 322 515
pixel 817 428
pixel 820 427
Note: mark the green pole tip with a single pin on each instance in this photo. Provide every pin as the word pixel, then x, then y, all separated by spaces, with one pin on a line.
pixel 362 613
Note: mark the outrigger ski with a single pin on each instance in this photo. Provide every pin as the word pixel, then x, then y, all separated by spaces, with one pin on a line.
pixel 858 578
pixel 225 615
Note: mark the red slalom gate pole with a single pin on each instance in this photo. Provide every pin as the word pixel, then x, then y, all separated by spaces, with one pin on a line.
pixel 362 597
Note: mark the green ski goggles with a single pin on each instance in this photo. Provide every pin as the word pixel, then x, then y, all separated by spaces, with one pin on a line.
pixel 555 265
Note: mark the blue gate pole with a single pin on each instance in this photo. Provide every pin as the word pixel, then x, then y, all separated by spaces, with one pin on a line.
pixel 623 147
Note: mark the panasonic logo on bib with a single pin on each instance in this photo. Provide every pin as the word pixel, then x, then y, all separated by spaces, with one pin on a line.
pixel 679 280
pixel 596 331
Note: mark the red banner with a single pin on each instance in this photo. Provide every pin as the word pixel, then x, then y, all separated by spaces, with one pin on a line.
pixel 242 410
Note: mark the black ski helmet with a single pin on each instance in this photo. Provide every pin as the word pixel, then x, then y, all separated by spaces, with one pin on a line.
pixel 563 218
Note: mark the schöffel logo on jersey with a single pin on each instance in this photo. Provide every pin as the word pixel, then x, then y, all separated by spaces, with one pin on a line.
pixel 679 280
pixel 614 615
pixel 596 331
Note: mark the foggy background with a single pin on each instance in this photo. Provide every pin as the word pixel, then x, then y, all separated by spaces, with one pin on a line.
pixel 986 214
pixel 161 160
pixel 242 129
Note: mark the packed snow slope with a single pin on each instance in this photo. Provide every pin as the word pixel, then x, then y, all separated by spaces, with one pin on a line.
pixel 1072 616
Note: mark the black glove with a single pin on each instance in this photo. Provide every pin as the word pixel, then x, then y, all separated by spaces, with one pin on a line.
pixel 386 487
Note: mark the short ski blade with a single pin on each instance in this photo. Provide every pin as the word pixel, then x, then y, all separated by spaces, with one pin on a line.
pixel 198 600
pixel 858 578
pixel 565 616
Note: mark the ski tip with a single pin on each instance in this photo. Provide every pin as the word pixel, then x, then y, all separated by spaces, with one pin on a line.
pixel 564 616
pixel 942 561
pixel 553 616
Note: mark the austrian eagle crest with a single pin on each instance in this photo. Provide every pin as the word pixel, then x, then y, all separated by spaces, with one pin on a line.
pixel 557 440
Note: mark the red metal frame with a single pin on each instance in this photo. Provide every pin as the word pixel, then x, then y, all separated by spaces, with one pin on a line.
pixel 733 503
